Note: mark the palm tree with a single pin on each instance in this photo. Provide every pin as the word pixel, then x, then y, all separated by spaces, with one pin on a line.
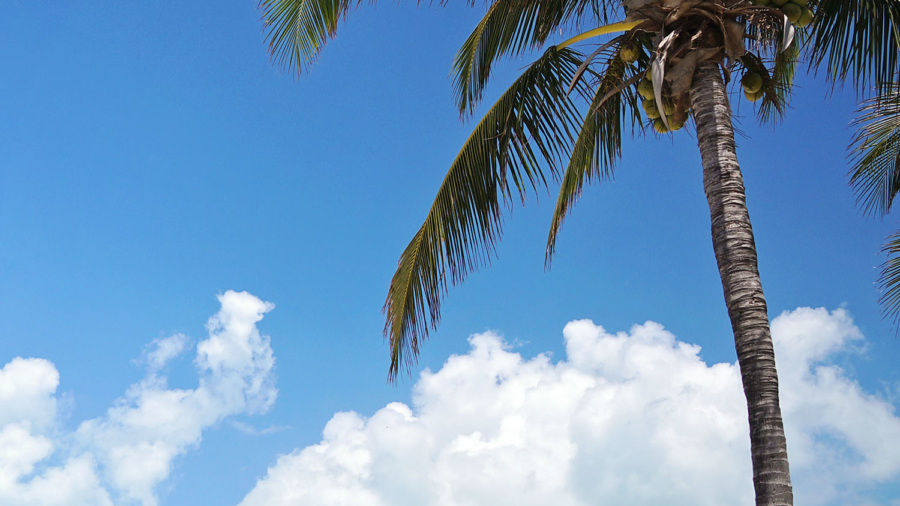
pixel 859 41
pixel 563 119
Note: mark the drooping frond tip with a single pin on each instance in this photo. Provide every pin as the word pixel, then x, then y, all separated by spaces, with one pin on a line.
pixel 297 30
pixel 599 143
pixel 889 280
pixel 528 128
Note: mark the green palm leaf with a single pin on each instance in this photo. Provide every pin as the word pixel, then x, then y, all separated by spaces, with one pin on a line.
pixel 599 142
pixel 511 28
pixel 778 91
pixel 875 175
pixel 875 178
pixel 858 39
pixel 889 279
pixel 531 123
pixel 296 30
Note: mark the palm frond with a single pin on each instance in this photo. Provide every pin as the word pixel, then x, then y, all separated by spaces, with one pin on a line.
pixel 858 40
pixel 889 279
pixel 511 28
pixel 779 87
pixel 531 123
pixel 599 143
pixel 296 30
pixel 875 175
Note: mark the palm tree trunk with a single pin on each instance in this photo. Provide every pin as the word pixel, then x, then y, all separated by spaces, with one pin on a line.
pixel 736 255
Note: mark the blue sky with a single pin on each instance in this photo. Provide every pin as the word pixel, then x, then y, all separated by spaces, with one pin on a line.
pixel 153 158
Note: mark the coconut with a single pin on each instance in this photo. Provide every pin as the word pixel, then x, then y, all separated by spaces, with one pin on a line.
pixel 764 3
pixel 659 126
pixel 629 54
pixel 651 109
pixel 801 3
pixel 779 3
pixel 753 97
pixel 675 124
pixel 792 11
pixel 645 89
pixel 752 82
pixel 668 106
pixel 805 18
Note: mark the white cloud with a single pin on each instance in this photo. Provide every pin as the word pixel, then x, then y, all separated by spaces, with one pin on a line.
pixel 635 418
pixel 629 418
pixel 127 452
pixel 26 392
pixel 162 350
pixel 20 451
pixel 839 434
pixel 246 428
pixel 71 483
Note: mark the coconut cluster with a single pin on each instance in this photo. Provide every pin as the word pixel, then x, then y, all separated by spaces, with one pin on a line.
pixel 795 10
pixel 798 13
pixel 676 121
pixel 679 37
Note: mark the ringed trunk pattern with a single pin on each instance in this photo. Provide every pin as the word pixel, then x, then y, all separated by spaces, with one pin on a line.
pixel 735 252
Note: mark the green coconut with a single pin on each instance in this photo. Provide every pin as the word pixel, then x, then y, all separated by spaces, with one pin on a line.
pixel 805 18
pixel 753 97
pixel 659 126
pixel 668 106
pixel 651 109
pixel 752 82
pixel 675 124
pixel 792 11
pixel 645 89
pixel 801 3
pixel 629 54
pixel 779 3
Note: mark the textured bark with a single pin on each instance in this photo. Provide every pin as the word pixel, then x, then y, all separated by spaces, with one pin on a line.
pixel 736 255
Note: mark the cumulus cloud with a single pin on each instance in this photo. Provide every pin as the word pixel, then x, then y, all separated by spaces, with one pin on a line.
pixel 626 418
pixel 127 452
pixel 838 433
pixel 26 392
